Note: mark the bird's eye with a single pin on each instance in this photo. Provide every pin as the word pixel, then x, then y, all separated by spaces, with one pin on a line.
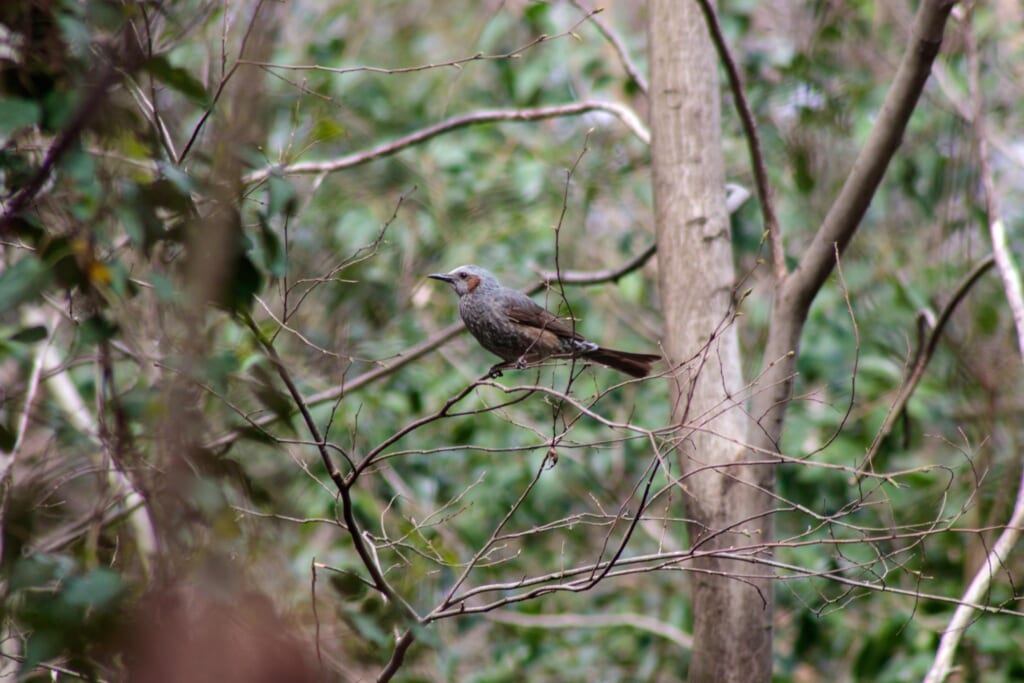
pixel 462 275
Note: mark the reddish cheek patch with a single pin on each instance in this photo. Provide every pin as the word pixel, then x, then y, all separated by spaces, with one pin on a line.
pixel 472 282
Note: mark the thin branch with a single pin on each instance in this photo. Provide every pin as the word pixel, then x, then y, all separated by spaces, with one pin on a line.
pixel 300 402
pixel 862 182
pixel 365 554
pixel 764 189
pixel 454 63
pixel 414 352
pixel 923 356
pixel 223 83
pixel 996 558
pixel 621 111
pixel 594 277
pixel 397 657
pixel 90 107
pixel 627 620
pixel 615 41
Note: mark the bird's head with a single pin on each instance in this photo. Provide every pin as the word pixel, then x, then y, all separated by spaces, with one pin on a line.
pixel 467 279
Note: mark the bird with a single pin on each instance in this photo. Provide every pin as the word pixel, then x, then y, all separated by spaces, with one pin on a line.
pixel 520 331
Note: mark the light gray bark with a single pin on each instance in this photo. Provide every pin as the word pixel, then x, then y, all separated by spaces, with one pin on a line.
pixel 732 627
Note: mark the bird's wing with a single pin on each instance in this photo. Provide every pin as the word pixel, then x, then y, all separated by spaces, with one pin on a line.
pixel 527 312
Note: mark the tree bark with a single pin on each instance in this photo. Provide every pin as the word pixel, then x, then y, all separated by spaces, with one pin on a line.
pixel 732 618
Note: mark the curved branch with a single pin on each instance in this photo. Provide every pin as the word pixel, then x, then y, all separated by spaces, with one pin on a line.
pixel 91 105
pixel 764 189
pixel 794 295
pixel 640 622
pixel 616 42
pixel 620 111
pixel 455 63
pixel 844 216
pixel 996 559
pixel 922 358
pixel 417 351
pixel 594 277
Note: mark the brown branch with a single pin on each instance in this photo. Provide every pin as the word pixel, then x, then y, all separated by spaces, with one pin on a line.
pixel 344 490
pixel 84 115
pixel 455 63
pixel 223 83
pixel 624 114
pixel 628 620
pixel 414 352
pixel 616 42
pixel 594 277
pixel 862 182
pixel 397 657
pixel 793 296
pixel 921 359
pixel 300 402
pixel 996 558
pixel 764 189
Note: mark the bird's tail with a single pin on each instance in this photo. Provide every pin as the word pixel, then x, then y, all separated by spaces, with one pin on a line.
pixel 634 364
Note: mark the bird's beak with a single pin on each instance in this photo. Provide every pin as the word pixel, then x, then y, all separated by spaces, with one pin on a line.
pixel 443 277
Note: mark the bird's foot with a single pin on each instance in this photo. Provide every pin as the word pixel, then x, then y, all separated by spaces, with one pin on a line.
pixel 521 363
pixel 495 371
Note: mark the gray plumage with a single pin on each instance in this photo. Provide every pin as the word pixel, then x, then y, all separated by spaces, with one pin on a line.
pixel 518 330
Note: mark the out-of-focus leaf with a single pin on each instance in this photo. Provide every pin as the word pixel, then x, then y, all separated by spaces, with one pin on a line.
pixel 17 113
pixel 22 282
pixel 59 254
pixel 95 330
pixel 7 439
pixel 244 286
pixel 281 196
pixel 28 335
pixel 96 591
pixel 275 400
pixel 327 129
pixel 166 194
pixel 273 251
pixel 43 644
pixel 177 79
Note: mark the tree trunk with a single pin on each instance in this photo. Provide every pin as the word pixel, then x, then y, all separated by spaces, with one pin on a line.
pixel 732 617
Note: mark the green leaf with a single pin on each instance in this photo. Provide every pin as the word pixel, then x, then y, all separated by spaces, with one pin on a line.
pixel 181 179
pixel 273 400
pixel 273 251
pixel 245 285
pixel 177 78
pixel 95 330
pixel 98 590
pixel 17 113
pixel 29 334
pixel 281 196
pixel 7 439
pixel 327 129
pixel 34 572
pixel 22 282
pixel 43 644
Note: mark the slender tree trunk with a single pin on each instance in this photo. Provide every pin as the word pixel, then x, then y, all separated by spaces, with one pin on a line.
pixel 732 617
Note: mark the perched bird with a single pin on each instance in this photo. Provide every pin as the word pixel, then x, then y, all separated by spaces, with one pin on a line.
pixel 518 330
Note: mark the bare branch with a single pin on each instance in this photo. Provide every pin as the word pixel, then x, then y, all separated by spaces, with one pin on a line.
pixel 922 357
pixel 616 42
pixel 455 63
pixel 846 212
pixel 91 105
pixel 621 111
pixel 764 189
pixel 995 561
pixel 627 620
